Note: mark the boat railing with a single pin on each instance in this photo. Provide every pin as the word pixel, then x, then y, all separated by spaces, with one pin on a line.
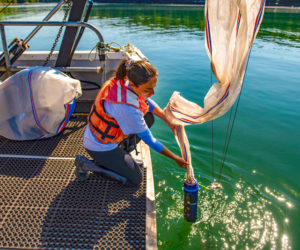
pixel 9 68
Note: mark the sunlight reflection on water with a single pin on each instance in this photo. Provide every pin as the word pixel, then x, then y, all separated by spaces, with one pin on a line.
pixel 236 217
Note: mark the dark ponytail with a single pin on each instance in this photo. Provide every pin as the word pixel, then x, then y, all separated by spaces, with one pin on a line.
pixel 138 72
pixel 121 71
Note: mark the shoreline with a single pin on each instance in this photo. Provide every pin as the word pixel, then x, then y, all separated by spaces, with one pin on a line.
pixel 157 4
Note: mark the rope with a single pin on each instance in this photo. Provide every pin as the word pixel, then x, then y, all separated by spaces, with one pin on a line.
pixel 58 35
pixel 212 135
pixel 230 128
pixel 226 142
pixel 108 47
pixel 6 6
pixel 91 51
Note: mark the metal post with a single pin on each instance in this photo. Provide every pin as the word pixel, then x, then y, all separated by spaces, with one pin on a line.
pixel 5 48
pixel 70 34
pixel 86 18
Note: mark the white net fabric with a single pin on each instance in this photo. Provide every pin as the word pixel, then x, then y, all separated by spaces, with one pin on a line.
pixel 33 103
pixel 230 29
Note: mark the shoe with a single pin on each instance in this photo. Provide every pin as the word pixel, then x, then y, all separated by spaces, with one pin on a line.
pixel 81 170
pixel 84 166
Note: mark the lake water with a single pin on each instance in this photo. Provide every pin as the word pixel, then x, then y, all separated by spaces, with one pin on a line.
pixel 258 207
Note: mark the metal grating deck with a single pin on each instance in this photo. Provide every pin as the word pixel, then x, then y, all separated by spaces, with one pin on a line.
pixel 43 205
pixel 66 144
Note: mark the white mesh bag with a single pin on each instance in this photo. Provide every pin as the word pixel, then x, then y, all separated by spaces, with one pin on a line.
pixel 36 103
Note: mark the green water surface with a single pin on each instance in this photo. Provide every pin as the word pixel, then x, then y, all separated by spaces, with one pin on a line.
pixel 258 207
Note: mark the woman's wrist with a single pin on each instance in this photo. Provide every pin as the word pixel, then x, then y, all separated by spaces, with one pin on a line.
pixel 170 154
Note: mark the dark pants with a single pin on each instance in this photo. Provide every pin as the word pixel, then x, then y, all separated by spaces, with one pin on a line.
pixel 119 160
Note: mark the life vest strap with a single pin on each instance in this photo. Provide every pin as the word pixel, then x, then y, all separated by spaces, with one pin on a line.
pixel 109 125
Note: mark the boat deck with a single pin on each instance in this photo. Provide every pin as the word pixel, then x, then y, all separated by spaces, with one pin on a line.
pixel 43 204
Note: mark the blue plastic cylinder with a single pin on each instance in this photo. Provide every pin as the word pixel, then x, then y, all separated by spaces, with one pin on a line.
pixel 190 201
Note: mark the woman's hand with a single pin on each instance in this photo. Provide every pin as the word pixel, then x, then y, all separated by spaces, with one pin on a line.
pixel 181 162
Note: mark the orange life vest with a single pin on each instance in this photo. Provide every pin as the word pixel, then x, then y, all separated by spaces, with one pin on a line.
pixel 104 127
